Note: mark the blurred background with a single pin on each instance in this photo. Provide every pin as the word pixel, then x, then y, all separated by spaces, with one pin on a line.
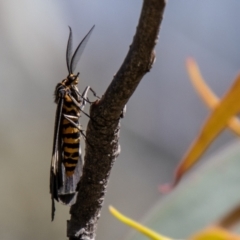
pixel 163 116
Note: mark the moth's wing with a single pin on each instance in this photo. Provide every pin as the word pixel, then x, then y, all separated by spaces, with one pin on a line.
pixel 79 50
pixel 69 50
pixel 67 193
pixel 55 169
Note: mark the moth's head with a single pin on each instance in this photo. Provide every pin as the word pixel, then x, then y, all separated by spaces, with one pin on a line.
pixel 72 79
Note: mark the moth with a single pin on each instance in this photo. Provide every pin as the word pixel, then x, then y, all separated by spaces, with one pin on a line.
pixel 67 163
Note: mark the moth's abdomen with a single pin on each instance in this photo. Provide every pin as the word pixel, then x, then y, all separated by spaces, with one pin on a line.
pixel 70 136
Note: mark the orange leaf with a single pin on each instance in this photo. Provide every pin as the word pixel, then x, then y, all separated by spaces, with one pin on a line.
pixel 206 93
pixel 228 107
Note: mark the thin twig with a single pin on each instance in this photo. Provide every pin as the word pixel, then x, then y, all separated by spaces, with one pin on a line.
pixel 102 146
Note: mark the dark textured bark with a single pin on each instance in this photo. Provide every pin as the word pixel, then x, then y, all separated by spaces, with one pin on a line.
pixel 102 145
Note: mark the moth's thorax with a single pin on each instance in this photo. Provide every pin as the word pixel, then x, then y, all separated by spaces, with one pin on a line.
pixel 71 80
pixel 69 84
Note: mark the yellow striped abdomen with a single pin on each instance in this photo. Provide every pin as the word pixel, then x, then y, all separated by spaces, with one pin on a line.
pixel 70 137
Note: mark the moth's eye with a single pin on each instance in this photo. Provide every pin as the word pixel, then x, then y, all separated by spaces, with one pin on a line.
pixel 76 78
pixel 71 77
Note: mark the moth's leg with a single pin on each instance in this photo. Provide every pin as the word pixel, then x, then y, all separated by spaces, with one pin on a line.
pixel 84 97
pixel 77 105
pixel 84 94
pixel 70 118
pixel 93 92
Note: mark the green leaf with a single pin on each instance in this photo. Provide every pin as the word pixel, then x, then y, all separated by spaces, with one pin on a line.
pixel 200 199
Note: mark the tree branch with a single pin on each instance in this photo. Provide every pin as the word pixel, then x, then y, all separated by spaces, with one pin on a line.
pixel 102 145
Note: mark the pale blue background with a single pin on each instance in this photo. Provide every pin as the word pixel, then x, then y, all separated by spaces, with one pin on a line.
pixel 163 116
